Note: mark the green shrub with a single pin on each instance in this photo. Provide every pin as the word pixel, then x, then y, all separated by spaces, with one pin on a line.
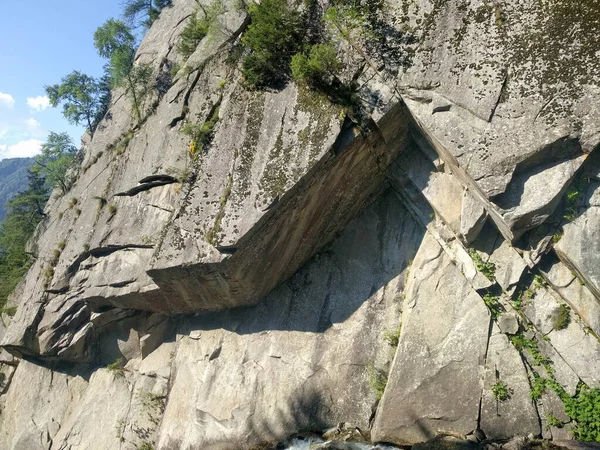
pixel 316 65
pixel 201 134
pixel 273 36
pixel 199 27
pixel 584 409
pixel 539 281
pixel 195 30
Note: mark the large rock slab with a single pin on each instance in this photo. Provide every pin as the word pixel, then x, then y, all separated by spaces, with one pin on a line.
pixel 469 74
pixel 580 243
pixel 445 328
pixel 577 347
pixel 299 360
pixel 516 415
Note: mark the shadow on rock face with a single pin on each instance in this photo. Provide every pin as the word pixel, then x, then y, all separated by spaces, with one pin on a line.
pixel 374 249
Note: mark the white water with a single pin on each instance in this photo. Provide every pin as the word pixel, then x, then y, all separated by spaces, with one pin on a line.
pixel 314 443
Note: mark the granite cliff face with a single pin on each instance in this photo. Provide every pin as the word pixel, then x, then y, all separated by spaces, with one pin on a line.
pixel 270 283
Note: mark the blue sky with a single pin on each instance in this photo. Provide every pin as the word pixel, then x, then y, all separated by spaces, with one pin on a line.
pixel 40 42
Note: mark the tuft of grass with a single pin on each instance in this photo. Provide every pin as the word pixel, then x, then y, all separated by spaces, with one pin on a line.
pixel 377 380
pixel 9 310
pixel 112 209
pixel 117 367
pixel 392 337
pixel 563 318
pixel 72 202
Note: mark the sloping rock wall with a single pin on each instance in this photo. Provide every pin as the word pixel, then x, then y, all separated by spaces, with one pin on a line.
pixel 428 273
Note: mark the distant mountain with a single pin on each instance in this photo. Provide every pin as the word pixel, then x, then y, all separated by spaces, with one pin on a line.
pixel 13 178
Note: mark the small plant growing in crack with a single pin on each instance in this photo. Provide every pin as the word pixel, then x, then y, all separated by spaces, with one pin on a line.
pixel 539 281
pixel 553 421
pixel 491 301
pixel 121 430
pixel 392 337
pixel 487 268
pixel 377 380
pixel 501 391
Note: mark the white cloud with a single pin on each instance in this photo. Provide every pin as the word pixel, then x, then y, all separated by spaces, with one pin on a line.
pixel 38 103
pixel 7 99
pixel 22 149
pixel 32 124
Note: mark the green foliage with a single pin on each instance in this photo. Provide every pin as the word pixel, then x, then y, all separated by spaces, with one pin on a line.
pixel 114 37
pixel 487 268
pixel 10 310
pixel 112 209
pixel 80 96
pixel 201 134
pixel 539 281
pixel 198 27
pixel 563 318
pixel 146 446
pixel 522 343
pixel 522 298
pixel 377 380
pixel 344 17
pixel 54 162
pixel 571 203
pixel 115 42
pixel 316 66
pixel 24 212
pixel 584 409
pixel 272 38
pixel 117 367
pixel 500 391
pixel 538 387
pixel 393 337
pixel 491 301
pixel 143 12
pixel 552 421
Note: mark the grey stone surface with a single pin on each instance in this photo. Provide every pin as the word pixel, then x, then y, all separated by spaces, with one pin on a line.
pixel 576 294
pixel 579 245
pixel 472 217
pixel 422 397
pixel 299 360
pixel 516 415
pixel 579 349
pixel 508 323
pixel 463 120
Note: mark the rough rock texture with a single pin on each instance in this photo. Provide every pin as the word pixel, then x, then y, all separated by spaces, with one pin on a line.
pixel 231 293
pixel 422 397
pixel 516 415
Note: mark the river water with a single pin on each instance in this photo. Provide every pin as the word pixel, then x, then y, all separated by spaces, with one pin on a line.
pixel 315 443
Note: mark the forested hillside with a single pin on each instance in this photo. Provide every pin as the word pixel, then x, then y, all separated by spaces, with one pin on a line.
pixel 13 178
